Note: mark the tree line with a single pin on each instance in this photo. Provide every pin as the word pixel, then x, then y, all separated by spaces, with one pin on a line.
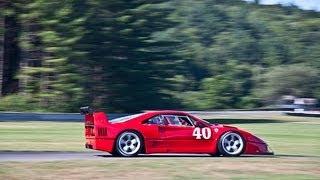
pixel 125 56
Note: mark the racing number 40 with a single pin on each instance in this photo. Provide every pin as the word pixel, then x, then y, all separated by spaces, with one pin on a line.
pixel 204 133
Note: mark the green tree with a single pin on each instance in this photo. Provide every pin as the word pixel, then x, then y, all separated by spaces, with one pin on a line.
pixel 124 56
pixel 129 57
pixel 50 72
pixel 296 79
pixel 230 90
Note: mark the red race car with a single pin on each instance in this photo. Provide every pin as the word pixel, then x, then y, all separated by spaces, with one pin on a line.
pixel 167 132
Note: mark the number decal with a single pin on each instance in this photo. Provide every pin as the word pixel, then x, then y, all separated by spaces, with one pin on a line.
pixel 197 133
pixel 205 133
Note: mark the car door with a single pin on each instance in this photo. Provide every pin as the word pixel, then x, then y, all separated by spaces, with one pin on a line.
pixel 179 138
pixel 153 132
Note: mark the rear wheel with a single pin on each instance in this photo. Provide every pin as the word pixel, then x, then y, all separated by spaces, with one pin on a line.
pixel 231 144
pixel 128 144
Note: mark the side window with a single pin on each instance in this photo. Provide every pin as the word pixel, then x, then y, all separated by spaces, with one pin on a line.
pixel 156 120
pixel 173 120
pixel 185 121
pixel 177 120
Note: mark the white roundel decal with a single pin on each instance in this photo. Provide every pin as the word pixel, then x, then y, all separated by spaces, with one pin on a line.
pixel 204 133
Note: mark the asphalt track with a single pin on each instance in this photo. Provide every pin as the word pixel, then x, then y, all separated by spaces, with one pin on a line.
pixel 46 156
pixel 29 156
pixel 26 156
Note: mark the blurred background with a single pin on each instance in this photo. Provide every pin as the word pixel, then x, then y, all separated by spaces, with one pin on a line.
pixel 126 56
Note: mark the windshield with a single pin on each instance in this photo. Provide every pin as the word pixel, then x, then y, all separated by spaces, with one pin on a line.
pixel 205 121
pixel 125 118
pixel 202 120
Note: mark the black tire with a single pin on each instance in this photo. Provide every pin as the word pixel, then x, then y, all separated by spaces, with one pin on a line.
pixel 128 147
pixel 217 154
pixel 114 154
pixel 231 144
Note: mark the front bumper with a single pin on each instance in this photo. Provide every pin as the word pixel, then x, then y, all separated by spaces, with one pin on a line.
pixel 258 149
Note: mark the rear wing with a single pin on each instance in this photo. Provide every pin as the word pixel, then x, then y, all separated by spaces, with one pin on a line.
pixel 86 110
pixel 96 126
pixel 93 118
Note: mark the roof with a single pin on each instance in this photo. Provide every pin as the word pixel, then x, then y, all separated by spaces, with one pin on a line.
pixel 164 111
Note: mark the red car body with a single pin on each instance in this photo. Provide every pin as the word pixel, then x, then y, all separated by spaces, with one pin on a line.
pixel 101 134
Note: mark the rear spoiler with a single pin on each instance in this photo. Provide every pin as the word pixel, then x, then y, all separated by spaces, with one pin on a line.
pixel 86 110
pixel 92 117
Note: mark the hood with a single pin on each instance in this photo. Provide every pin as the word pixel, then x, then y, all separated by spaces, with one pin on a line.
pixel 223 126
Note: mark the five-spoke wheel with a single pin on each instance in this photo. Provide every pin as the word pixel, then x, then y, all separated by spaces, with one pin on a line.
pixel 128 144
pixel 231 144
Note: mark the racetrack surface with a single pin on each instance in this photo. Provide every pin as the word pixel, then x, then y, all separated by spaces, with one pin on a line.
pixel 46 155
pixel 25 156
pixel 60 155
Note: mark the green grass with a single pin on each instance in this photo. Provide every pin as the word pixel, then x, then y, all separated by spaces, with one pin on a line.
pixel 166 168
pixel 295 140
pixel 289 138
pixel 41 136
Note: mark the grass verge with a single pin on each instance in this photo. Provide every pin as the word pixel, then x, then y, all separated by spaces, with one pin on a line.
pixel 167 168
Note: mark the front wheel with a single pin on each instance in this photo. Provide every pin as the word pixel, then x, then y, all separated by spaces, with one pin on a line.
pixel 128 144
pixel 231 144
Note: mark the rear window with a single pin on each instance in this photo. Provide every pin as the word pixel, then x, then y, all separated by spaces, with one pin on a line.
pixel 125 118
